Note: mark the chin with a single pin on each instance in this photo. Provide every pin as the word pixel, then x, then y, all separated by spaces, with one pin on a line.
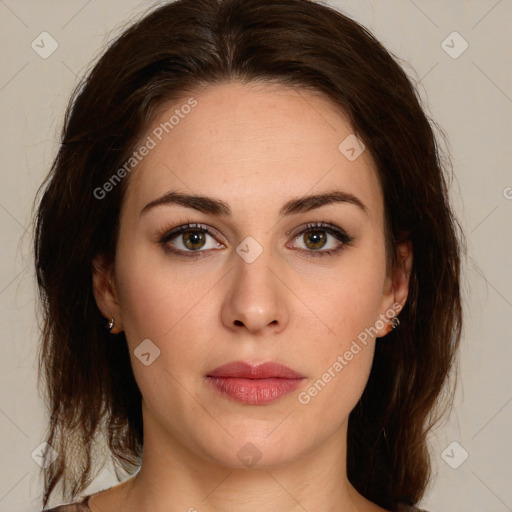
pixel 254 448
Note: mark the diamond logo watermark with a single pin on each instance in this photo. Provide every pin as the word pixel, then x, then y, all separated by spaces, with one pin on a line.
pixel 44 45
pixel 454 455
pixel 454 45
pixel 249 455
pixel 146 352
pixel 39 453
pixel 249 249
pixel 351 147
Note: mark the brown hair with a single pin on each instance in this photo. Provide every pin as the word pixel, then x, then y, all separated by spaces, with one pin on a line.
pixel 177 48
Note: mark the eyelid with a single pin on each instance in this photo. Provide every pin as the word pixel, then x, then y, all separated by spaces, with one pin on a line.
pixel 310 226
pixel 343 238
pixel 166 234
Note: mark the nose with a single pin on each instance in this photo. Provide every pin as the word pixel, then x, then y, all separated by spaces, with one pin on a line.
pixel 255 300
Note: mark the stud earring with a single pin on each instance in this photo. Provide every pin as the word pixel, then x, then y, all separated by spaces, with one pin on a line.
pixel 110 324
pixel 394 322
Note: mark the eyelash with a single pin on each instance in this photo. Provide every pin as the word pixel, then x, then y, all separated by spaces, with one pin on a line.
pixel 164 236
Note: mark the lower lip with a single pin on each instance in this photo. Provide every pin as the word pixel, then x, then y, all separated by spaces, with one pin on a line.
pixel 254 391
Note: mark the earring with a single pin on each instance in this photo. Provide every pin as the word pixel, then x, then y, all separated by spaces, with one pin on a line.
pixel 394 322
pixel 111 324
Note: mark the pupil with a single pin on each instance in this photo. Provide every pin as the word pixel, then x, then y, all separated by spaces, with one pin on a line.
pixel 318 238
pixel 194 238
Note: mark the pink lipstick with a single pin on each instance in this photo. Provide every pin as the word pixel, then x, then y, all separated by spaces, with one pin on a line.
pixel 254 384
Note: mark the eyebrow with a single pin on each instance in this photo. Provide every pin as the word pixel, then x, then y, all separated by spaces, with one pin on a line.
pixel 212 206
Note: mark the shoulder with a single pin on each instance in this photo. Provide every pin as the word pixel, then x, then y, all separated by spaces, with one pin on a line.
pixel 78 506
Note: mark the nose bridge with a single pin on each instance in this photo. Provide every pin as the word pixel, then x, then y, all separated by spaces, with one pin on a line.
pixel 254 298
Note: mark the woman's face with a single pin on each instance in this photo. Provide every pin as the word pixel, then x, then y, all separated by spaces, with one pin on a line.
pixel 250 281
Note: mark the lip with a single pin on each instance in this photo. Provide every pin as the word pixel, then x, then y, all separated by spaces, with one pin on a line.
pixel 254 384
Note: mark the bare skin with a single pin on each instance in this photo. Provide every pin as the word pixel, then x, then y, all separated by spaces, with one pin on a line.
pixel 255 147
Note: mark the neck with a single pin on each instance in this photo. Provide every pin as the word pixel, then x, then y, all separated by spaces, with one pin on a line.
pixel 175 479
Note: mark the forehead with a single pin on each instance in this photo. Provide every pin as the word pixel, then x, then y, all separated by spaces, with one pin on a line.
pixel 261 143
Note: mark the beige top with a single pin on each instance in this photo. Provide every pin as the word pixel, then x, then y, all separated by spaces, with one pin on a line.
pixel 82 506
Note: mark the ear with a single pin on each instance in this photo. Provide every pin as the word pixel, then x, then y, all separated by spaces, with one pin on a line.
pixel 396 287
pixel 104 289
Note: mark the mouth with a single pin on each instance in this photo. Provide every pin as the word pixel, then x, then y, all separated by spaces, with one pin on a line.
pixel 254 384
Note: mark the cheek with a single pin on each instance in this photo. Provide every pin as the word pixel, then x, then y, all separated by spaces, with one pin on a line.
pixel 343 360
pixel 162 305
pixel 157 296
pixel 172 307
pixel 350 298
pixel 340 382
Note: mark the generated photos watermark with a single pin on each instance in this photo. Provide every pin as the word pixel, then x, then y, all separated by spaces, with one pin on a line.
pixel 304 397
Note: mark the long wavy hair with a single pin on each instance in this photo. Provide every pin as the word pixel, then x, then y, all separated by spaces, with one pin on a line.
pixel 179 47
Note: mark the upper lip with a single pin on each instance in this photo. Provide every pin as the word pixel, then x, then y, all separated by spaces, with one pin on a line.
pixel 245 370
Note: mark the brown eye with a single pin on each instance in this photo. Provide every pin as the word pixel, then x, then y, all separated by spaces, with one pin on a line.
pixel 194 239
pixel 320 239
pixel 190 238
pixel 315 239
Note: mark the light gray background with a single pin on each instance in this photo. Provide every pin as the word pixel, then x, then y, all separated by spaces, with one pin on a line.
pixel 469 96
